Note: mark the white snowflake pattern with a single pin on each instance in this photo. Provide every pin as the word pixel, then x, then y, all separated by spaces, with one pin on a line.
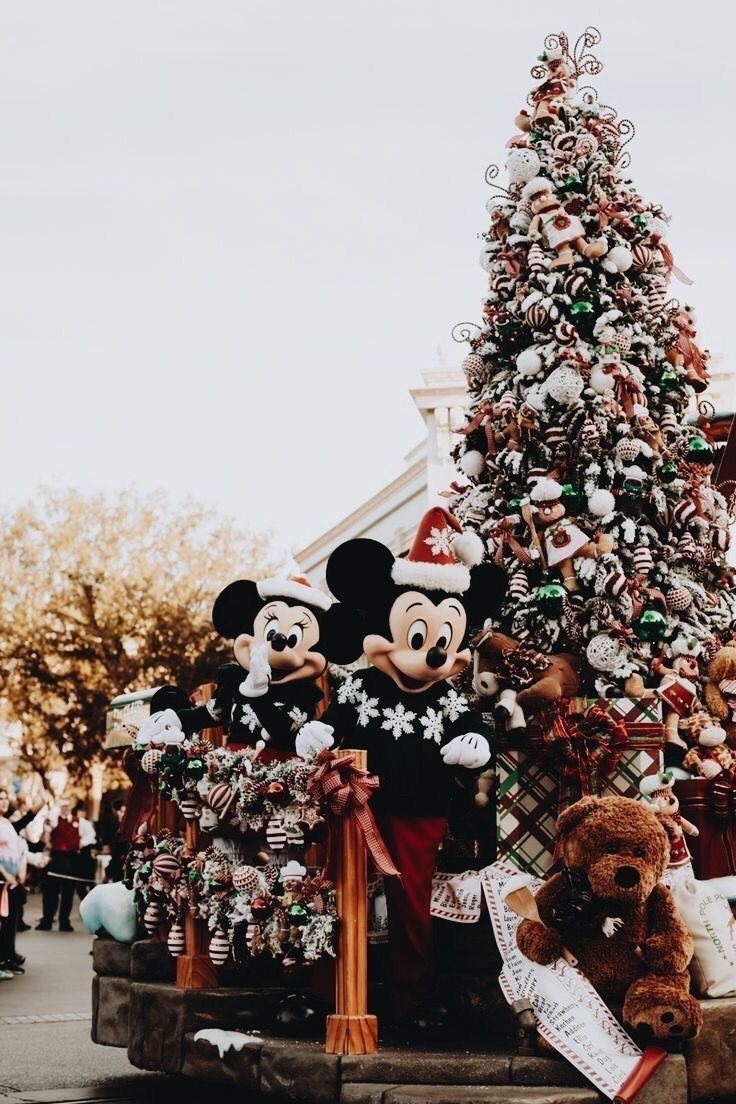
pixel 453 705
pixel 298 718
pixel 440 541
pixel 249 719
pixel 433 725
pixel 349 691
pixel 367 709
pixel 399 720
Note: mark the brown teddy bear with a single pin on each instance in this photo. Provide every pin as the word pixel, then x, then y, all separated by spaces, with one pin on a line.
pixel 609 908
pixel 720 689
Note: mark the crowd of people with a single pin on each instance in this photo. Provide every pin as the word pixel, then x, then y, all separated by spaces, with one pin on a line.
pixel 52 848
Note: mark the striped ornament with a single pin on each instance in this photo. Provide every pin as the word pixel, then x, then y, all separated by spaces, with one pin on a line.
pixel 643 561
pixel 275 834
pixel 641 256
pixel 615 583
pixel 668 422
pixel 176 941
pixel 251 936
pixel 537 316
pixel 219 950
pixel 153 917
pixel 220 798
pixel 189 807
pixel 575 285
pixel 506 404
pixel 294 835
pixel 166 866
pixel 519 584
pixel 536 258
pixel 565 333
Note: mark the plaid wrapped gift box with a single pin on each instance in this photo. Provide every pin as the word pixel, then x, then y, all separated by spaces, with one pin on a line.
pixel 528 794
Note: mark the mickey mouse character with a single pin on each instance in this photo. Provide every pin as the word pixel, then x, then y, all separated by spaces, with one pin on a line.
pixel 405 712
pixel 284 633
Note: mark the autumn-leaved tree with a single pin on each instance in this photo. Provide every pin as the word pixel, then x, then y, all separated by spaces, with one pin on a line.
pixel 103 595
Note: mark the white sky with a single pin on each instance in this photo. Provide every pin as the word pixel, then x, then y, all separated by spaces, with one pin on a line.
pixel 233 233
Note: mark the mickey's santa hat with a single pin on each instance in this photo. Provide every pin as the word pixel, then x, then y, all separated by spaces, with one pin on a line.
pixel 441 555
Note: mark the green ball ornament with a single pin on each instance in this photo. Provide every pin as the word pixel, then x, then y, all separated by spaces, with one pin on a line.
pixel 570 498
pixel 651 626
pixel 667 472
pixel 699 451
pixel 581 306
pixel 573 183
pixel 640 221
pixel 297 915
pixel 514 503
pixel 669 379
pixel 550 597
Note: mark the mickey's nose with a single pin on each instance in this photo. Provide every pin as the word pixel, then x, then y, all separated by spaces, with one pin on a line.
pixel 436 657
pixel 627 877
pixel 278 642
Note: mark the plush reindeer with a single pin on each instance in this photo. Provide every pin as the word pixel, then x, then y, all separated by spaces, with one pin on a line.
pixel 522 679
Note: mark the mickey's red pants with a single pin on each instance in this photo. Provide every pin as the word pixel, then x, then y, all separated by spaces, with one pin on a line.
pixel 413 843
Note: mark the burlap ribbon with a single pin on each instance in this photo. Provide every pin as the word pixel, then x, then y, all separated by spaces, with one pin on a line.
pixel 345 790
pixel 504 540
pixel 640 594
pixel 587 747
pixel 483 419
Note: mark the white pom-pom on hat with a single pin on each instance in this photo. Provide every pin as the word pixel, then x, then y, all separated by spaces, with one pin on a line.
pixel 545 490
pixel 536 185
pixel 601 502
pixel 472 463
pixel 469 548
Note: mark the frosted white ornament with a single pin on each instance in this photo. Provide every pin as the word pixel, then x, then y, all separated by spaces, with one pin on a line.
pixel 600 380
pixel 618 259
pixel 473 463
pixel 564 385
pixel 535 398
pixel 522 165
pixel 603 652
pixel 601 502
pixel 529 362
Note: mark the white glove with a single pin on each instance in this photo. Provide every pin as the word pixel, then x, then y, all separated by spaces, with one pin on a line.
pixel 312 738
pixel 163 727
pixel 259 676
pixel 470 750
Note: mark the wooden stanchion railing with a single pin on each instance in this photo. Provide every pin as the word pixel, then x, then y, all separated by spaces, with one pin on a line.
pixel 194 969
pixel 351 1030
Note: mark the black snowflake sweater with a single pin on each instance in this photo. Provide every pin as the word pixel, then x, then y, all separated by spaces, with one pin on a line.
pixel 275 717
pixel 403 734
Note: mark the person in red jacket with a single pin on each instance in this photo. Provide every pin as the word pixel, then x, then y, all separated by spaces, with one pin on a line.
pixel 63 839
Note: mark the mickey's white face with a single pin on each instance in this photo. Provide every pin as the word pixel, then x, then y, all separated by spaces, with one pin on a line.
pixel 424 644
pixel 291 633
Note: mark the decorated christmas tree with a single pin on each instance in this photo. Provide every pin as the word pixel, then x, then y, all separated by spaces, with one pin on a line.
pixel 587 458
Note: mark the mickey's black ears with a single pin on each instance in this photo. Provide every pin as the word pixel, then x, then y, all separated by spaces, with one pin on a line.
pixel 169 697
pixel 235 608
pixel 485 595
pixel 359 572
pixel 341 632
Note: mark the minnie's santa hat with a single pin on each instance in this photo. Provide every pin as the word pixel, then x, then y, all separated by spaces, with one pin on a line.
pixel 441 555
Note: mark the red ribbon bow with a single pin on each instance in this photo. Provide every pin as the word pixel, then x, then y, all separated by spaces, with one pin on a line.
pixel 587 747
pixel 503 537
pixel 345 790
pixel 482 420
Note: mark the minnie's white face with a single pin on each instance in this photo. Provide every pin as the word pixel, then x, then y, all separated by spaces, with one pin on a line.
pixel 291 633
pixel 424 644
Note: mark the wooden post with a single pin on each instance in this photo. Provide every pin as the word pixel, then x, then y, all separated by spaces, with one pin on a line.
pixel 351 1030
pixel 194 969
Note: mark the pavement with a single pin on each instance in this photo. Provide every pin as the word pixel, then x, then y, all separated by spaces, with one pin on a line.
pixel 45 1020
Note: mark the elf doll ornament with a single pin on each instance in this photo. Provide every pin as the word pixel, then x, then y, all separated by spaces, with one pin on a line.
pixel 405 712
pixel 552 223
pixel 563 539
pixel 284 633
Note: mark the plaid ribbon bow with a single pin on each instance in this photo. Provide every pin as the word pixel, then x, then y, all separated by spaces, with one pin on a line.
pixel 345 790
pixel 587 748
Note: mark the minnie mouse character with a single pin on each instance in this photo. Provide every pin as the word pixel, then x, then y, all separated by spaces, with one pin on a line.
pixel 405 712
pixel 284 633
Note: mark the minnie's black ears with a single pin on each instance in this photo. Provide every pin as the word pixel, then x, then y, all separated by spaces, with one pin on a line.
pixel 359 572
pixel 341 632
pixel 169 697
pixel 235 608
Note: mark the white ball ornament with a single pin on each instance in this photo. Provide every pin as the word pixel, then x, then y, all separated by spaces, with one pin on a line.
pixel 601 502
pixel 522 165
pixel 564 385
pixel 473 463
pixel 600 380
pixel 535 398
pixel 603 652
pixel 618 259
pixel 529 362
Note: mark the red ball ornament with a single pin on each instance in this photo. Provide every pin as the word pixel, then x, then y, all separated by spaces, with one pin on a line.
pixel 277 793
pixel 537 316
pixel 565 333
pixel 641 256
